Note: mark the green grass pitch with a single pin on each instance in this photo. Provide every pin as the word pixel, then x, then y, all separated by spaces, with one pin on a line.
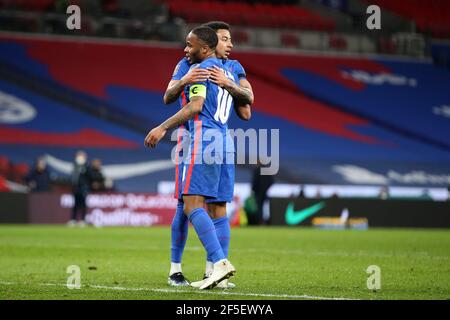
pixel 271 262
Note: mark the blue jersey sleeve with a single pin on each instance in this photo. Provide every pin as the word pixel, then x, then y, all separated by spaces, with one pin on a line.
pixel 203 65
pixel 239 70
pixel 198 88
pixel 181 69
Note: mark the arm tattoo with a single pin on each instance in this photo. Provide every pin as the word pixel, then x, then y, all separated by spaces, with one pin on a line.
pixel 185 114
pixel 174 92
pixel 241 94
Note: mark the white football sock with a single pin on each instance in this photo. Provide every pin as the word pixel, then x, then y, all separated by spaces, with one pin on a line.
pixel 220 262
pixel 174 268
pixel 209 267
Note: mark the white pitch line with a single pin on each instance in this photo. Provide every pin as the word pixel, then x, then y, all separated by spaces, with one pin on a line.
pixel 224 293
pixel 267 295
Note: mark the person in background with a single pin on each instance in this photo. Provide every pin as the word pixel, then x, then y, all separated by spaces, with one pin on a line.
pixel 81 184
pixel 384 193
pixel 426 195
pixel 39 179
pixel 301 195
pixel 97 177
pixel 318 194
pixel 260 185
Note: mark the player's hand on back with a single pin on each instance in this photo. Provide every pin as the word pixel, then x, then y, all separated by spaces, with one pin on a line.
pixel 195 75
pixel 154 136
pixel 218 76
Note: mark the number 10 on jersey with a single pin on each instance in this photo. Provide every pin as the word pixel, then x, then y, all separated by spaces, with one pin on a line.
pixel 224 100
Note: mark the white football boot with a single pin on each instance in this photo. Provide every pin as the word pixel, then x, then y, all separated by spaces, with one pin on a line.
pixel 198 284
pixel 224 284
pixel 223 269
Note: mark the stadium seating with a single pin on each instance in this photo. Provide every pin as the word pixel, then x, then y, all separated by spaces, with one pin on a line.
pixel 35 5
pixel 19 172
pixel 15 172
pixel 59 131
pixel 256 15
pixel 409 92
pixel 289 40
pixel 431 16
pixel 3 185
pixel 328 108
pixel 337 43
pixel 4 166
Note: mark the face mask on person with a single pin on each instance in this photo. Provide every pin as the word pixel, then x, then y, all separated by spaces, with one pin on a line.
pixel 80 160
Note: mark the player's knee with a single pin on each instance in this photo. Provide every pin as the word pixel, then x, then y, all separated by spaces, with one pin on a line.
pixel 218 214
pixel 187 209
pixel 218 210
pixel 192 202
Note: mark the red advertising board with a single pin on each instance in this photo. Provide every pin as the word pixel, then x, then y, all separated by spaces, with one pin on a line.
pixel 105 209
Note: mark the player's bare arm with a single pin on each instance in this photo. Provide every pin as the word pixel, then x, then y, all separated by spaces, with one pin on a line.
pixel 188 112
pixel 175 87
pixel 243 110
pixel 243 95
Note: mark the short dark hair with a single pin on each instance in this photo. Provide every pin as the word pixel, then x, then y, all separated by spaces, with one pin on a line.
pixel 216 25
pixel 207 35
